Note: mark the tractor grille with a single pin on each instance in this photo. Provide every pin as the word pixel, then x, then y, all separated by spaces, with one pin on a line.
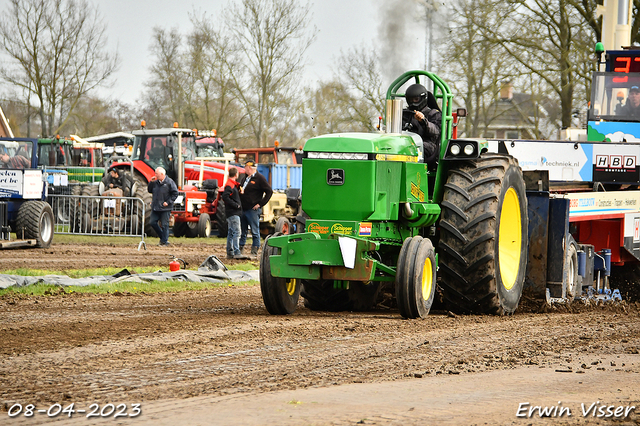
pixel 182 206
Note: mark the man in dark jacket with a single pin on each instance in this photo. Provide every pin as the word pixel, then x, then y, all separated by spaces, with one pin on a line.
pixel 255 192
pixel 632 107
pixel 233 208
pixel 117 183
pixel 164 192
pixel 424 119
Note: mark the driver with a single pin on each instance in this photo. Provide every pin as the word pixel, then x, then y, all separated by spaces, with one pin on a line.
pixel 426 119
pixel 16 162
pixel 632 107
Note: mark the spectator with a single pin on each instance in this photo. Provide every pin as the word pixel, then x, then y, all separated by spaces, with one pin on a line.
pixel 15 162
pixel 117 183
pixel 164 192
pixel 233 208
pixel 254 194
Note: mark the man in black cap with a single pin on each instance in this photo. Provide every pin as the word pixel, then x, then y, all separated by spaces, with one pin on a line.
pixel 632 107
pixel 255 192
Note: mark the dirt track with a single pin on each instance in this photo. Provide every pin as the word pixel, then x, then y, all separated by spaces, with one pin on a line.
pixel 219 343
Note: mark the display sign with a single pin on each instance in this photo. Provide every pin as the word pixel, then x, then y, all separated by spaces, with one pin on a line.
pixel 623 62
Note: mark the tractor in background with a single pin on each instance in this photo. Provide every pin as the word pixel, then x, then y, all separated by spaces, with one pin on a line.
pixel 23 191
pixel 198 206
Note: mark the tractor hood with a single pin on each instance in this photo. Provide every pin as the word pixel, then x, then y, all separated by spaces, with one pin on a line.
pixel 365 143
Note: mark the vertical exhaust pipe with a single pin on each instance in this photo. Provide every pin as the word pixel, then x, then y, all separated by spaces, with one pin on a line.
pixel 394 116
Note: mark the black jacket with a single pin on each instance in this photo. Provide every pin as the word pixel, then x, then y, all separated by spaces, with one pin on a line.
pixel 428 129
pixel 123 181
pixel 628 110
pixel 257 191
pixel 165 191
pixel 231 198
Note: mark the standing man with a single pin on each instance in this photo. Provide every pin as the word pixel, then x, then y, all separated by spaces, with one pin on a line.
pixel 164 192
pixel 233 208
pixel 255 192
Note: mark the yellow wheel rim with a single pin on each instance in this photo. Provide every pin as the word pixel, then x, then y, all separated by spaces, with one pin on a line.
pixel 427 279
pixel 510 239
pixel 291 286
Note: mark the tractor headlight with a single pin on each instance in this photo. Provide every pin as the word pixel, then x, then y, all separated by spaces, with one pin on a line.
pixel 455 149
pixel 468 149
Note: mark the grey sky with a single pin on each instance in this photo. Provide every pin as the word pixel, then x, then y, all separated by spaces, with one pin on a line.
pixel 342 24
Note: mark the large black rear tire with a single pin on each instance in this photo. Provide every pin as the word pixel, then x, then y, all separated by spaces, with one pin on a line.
pixel 280 295
pixel 484 235
pixel 36 219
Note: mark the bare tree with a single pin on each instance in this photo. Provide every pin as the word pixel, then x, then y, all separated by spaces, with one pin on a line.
pixel 272 37
pixel 57 54
pixel 547 38
pixel 169 79
pixel 212 103
pixel 475 67
pixel 360 72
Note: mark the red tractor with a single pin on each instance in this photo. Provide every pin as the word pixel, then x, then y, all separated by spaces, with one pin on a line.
pixel 199 204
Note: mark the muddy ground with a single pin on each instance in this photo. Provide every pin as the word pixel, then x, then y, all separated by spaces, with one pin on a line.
pixel 221 343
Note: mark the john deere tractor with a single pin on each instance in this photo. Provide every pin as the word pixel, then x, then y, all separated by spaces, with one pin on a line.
pixel 381 219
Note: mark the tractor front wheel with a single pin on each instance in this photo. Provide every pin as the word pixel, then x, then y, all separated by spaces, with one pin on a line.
pixel 280 295
pixel 416 277
pixel 204 226
pixel 484 235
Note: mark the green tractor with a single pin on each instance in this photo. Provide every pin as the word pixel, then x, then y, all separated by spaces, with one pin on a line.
pixel 382 220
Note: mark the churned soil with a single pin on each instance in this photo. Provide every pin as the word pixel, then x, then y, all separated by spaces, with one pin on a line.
pixel 215 356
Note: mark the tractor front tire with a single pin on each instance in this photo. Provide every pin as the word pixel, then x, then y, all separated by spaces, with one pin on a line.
pixel 36 219
pixel 483 235
pixel 204 226
pixel 416 277
pixel 280 295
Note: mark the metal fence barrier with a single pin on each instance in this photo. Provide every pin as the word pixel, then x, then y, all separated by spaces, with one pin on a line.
pixel 96 215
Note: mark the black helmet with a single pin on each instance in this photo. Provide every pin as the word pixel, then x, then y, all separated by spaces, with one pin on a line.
pixel 416 97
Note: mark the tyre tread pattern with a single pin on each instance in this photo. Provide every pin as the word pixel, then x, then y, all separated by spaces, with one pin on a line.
pixel 468 223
